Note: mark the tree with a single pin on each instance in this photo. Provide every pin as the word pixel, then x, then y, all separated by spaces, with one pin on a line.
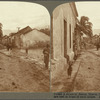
pixel 83 20
pixel 86 26
pixel 83 26
pixel 45 31
pixel 1 33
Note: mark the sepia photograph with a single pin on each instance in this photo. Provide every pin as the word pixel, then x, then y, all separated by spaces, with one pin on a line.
pixel 24 47
pixel 75 47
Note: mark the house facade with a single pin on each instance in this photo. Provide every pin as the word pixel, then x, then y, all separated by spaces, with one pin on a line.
pixel 34 37
pixel 16 37
pixel 64 19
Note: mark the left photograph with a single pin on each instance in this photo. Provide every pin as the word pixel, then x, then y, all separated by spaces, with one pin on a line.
pixel 24 47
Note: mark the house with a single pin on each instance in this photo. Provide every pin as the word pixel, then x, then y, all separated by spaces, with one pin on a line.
pixel 63 24
pixel 12 38
pixel 95 39
pixel 16 36
pixel 29 39
pixel 4 40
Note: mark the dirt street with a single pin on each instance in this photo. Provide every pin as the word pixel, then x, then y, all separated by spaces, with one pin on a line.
pixel 19 74
pixel 87 76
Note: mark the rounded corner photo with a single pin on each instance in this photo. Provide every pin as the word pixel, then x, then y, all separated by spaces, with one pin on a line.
pixel 75 43
pixel 24 47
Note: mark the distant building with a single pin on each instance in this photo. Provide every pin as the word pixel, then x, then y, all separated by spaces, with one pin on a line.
pixel 27 37
pixel 4 40
pixel 16 36
pixel 64 21
pixel 95 39
pixel 31 38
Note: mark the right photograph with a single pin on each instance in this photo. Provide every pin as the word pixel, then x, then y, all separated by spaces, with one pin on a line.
pixel 75 43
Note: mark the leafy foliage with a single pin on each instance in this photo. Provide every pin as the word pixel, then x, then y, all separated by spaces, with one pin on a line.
pixel 45 31
pixel 86 26
pixel 1 33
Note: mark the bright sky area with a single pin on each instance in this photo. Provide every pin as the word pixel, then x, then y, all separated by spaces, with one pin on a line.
pixel 22 14
pixel 91 10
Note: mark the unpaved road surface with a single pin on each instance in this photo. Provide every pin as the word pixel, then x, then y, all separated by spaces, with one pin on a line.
pixel 85 79
pixel 88 78
pixel 22 75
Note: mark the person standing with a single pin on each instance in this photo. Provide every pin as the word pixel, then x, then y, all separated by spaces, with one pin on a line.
pixel 46 52
pixel 69 70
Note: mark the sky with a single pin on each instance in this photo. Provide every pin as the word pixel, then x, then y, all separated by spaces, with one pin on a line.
pixel 91 10
pixel 22 14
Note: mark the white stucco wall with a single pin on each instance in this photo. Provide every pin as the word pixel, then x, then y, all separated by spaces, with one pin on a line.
pixel 61 13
